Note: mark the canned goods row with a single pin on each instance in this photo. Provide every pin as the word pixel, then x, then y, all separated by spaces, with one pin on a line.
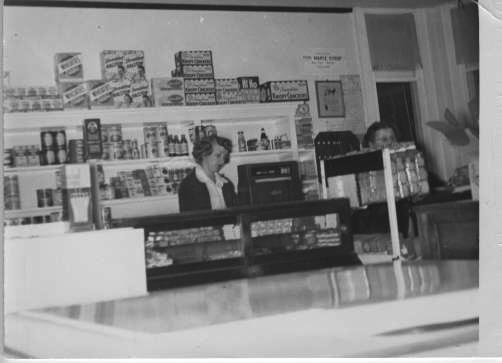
pixel 49 197
pixel 48 218
pixel 76 151
pixel 51 139
pixel 111 133
pixel 12 199
pixel 54 156
pixel 22 155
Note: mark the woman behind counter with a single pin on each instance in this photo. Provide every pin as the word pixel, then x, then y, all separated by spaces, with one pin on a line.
pixel 205 188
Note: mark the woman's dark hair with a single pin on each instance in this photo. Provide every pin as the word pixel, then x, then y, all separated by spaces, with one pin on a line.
pixel 204 147
pixel 372 130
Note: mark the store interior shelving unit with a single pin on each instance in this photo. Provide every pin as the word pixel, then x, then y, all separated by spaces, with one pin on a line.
pixel 363 162
pixel 276 118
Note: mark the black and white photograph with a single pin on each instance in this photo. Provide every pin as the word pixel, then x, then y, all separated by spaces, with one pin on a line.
pixel 266 179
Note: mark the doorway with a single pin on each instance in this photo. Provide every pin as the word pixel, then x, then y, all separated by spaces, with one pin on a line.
pixel 396 107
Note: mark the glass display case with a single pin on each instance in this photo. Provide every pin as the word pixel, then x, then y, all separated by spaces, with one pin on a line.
pixel 197 247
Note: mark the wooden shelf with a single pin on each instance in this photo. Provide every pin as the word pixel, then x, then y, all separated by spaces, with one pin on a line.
pixel 261 152
pixel 132 117
pixel 20 213
pixel 23 169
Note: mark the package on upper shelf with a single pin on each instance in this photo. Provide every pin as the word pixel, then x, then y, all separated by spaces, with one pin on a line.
pixel 31 92
pixel 68 67
pixel 193 57
pixel 140 91
pixel 227 84
pixel 229 97
pixel 134 65
pixel 196 71
pixel 112 64
pixel 121 93
pixel 168 91
pixel 282 91
pixel 252 82
pixel 195 99
pixel 100 94
pixel 74 95
pixel 250 95
pixel 205 85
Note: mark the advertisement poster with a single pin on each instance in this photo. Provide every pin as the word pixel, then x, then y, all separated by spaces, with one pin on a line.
pixel 324 62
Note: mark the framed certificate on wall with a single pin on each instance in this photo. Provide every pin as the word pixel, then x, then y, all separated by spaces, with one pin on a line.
pixel 329 99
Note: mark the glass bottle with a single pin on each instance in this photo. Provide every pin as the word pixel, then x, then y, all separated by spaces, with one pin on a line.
pixel 241 140
pixel 184 145
pixel 171 146
pixel 265 143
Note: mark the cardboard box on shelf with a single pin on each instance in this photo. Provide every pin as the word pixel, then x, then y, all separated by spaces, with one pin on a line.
pixel 194 57
pixel 249 82
pixel 226 84
pixel 196 70
pixel 195 99
pixel 140 92
pixel 121 93
pixel 112 64
pixel 283 91
pixel 74 95
pixel 100 94
pixel 134 65
pixel 68 67
pixel 168 91
pixel 206 85
pixel 92 139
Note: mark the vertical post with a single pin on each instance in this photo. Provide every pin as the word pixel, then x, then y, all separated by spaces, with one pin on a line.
pixel 324 182
pixel 394 232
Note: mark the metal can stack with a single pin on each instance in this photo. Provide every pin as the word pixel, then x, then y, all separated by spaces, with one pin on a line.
pixel 77 153
pixel 12 198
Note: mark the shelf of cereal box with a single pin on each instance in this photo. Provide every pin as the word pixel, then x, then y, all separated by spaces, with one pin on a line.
pixel 138 116
pixel 121 201
pixel 21 213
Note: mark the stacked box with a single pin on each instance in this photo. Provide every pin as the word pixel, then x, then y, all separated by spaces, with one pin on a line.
pixel 25 99
pixel 74 95
pixel 111 137
pixel 227 91
pixel 93 145
pixel 194 64
pixel 121 93
pixel 249 89
pixel 168 91
pixel 134 65
pixel 100 94
pixel 112 65
pixel 54 150
pixel 284 91
pixel 68 67
pixel 200 91
pixel 77 201
pixel 304 132
pixel 139 93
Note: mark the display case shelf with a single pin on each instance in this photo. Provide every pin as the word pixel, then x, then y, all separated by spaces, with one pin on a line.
pixel 244 154
pixel 21 213
pixel 170 159
pixel 35 168
pixel 155 198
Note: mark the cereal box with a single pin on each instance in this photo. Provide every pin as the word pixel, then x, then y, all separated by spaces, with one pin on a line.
pixel 100 94
pixel 168 91
pixel 121 93
pixel 248 82
pixel 140 91
pixel 74 94
pixel 197 70
pixel 68 67
pixel 134 64
pixel 112 65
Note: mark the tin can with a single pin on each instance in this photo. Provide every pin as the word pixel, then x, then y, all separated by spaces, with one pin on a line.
pixel 115 133
pixel 61 156
pixel 7 157
pixel 49 157
pixel 48 139
pixel 41 198
pixel 55 216
pixel 61 139
pixel 57 197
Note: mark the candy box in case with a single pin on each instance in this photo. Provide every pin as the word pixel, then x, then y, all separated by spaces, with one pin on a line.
pixel 68 67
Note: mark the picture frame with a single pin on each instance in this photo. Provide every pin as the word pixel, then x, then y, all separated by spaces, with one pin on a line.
pixel 329 99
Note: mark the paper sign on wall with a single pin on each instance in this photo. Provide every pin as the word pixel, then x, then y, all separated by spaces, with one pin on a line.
pixel 324 61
